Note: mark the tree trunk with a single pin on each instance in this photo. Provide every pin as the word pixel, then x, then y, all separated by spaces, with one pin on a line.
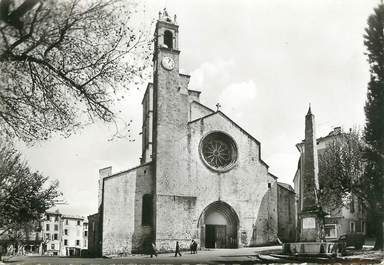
pixel 379 232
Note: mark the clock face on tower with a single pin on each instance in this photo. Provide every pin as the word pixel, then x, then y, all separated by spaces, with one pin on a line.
pixel 168 63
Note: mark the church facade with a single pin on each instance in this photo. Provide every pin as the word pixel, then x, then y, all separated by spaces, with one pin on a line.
pixel 201 176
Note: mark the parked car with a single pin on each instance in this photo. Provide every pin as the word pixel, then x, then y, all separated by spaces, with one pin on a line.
pixel 356 240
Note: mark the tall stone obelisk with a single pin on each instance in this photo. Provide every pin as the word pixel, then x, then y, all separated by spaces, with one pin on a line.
pixel 310 223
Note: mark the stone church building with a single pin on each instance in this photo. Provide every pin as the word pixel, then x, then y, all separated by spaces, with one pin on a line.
pixel 201 175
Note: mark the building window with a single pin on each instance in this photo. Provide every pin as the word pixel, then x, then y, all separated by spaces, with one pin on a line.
pixel 77 242
pixel 52 246
pixel 147 210
pixel 56 227
pixel 65 242
pixel 78 222
pixel 358 226
pixel 85 243
pixel 352 227
pixel 55 236
pixel 218 151
pixel 363 227
pixel 85 233
pixel 66 221
pixel 85 225
pixel 330 231
pixel 47 217
pixel 168 39
pixel 66 232
pixel 47 227
pixel 56 218
pixel 48 236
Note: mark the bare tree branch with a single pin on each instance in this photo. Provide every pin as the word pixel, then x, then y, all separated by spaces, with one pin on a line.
pixel 63 68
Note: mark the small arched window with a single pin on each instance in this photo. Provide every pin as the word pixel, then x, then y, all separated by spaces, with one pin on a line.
pixel 168 39
pixel 147 210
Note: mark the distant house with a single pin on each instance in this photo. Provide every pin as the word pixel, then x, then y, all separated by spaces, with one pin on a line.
pixel 56 234
pixel 64 235
pixel 344 220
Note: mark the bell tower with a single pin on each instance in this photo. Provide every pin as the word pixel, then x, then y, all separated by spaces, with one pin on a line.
pixel 166 42
pixel 170 123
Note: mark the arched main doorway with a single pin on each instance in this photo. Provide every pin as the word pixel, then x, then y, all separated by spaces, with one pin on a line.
pixel 218 226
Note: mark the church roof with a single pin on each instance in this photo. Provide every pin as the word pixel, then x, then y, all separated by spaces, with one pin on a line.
pixel 236 125
pixel 127 170
pixel 273 176
pixel 286 186
pixel 201 105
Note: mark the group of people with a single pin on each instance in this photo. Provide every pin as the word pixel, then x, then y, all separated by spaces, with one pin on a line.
pixel 193 248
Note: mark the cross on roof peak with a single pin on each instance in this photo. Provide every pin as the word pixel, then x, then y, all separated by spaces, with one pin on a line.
pixel 218 106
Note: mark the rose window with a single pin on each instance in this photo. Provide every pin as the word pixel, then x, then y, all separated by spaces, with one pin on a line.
pixel 218 150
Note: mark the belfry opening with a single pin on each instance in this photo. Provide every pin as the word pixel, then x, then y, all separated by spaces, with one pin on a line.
pixel 168 39
pixel 219 226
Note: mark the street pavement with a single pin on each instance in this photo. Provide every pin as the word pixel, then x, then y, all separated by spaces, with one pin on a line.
pixel 212 256
pixel 257 255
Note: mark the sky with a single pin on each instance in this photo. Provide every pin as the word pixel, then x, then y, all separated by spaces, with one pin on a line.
pixel 264 61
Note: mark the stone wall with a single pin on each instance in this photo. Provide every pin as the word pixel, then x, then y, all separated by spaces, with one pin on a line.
pixel 94 235
pixel 286 214
pixel 144 185
pixel 123 192
pixel 176 217
pixel 118 219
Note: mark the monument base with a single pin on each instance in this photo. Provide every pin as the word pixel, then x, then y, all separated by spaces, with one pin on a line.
pixel 310 248
pixel 310 226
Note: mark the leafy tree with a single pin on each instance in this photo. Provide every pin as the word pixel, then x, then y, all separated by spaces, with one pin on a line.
pixel 24 195
pixel 341 171
pixel 374 112
pixel 62 63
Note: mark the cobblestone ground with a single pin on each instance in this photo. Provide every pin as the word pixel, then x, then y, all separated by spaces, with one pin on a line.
pixel 217 256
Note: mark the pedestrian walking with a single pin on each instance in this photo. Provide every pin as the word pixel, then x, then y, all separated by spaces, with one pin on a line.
pixel 191 246
pixel 153 249
pixel 177 249
pixel 194 247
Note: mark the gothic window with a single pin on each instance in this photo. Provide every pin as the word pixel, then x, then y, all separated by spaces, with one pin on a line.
pixel 168 39
pixel 147 210
pixel 218 151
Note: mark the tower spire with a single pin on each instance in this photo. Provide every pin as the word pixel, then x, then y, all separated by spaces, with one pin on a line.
pixel 309 109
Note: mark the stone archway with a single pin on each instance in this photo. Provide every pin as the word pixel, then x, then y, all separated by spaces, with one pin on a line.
pixel 218 225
